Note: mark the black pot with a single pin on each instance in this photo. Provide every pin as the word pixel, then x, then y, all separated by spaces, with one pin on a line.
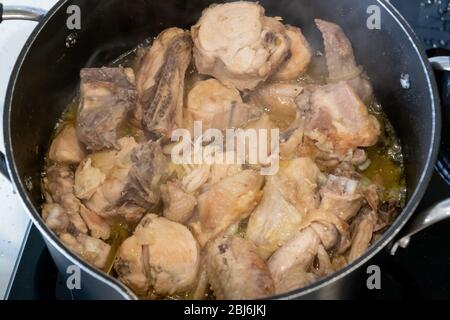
pixel 46 78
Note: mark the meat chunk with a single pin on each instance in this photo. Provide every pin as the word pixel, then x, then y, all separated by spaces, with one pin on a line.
pixel 178 205
pixel 341 60
pixel 225 203
pixel 66 148
pixel 55 217
pixel 338 120
pixel 342 196
pixel 362 234
pixel 161 254
pixel 299 56
pixel 238 45
pixel 107 94
pixel 296 256
pixel 216 106
pixel 236 271
pixel 279 100
pixel 160 82
pixel 98 227
pixel 58 186
pixel 122 182
pixel 288 198
pixel 95 251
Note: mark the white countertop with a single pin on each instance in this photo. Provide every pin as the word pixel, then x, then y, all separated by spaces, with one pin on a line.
pixel 14 221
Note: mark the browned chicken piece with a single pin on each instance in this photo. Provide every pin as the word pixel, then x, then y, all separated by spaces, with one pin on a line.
pixel 58 186
pixel 338 120
pixel 235 270
pixel 216 106
pixel 363 228
pixel 97 226
pixel 162 255
pixel 93 250
pixel 341 60
pixel 66 148
pixel 238 45
pixel 160 82
pixel 296 256
pixel 178 205
pixel 123 182
pixel 225 203
pixel 55 217
pixel 299 57
pixel 106 96
pixel 288 197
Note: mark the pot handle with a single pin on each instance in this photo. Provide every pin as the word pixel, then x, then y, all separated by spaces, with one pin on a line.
pixel 21 13
pixel 440 211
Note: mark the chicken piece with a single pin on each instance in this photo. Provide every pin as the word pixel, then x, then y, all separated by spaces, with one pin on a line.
pixel 94 251
pixel 55 217
pixel 66 148
pixel 341 61
pixel 160 82
pixel 164 253
pixel 296 256
pixel 341 196
pixel 178 205
pixel 225 203
pixel 279 100
pixel 107 94
pixel 173 254
pixel 88 179
pixel 299 57
pixel 362 234
pixel 235 270
pixel 146 175
pixel 288 198
pixel 196 178
pixel 123 182
pixel 216 106
pixel 238 45
pixel 293 280
pixel 327 232
pixel 130 267
pixel 338 120
pixel 98 227
pixel 58 186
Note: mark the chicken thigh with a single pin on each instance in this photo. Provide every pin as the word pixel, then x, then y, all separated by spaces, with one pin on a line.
pixel 235 270
pixel 238 45
pixel 161 254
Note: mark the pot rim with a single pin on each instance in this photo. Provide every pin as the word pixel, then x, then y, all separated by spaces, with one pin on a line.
pixel 384 240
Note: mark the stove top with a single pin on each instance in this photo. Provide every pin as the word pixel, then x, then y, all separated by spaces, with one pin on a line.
pixel 421 271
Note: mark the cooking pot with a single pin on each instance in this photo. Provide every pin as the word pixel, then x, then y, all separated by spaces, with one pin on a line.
pixel 46 77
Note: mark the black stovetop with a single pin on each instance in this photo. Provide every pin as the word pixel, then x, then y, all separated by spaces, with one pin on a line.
pixel 421 271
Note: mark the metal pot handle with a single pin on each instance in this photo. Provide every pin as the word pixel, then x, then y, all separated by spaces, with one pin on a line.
pixel 440 211
pixel 21 13
pixel 17 13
